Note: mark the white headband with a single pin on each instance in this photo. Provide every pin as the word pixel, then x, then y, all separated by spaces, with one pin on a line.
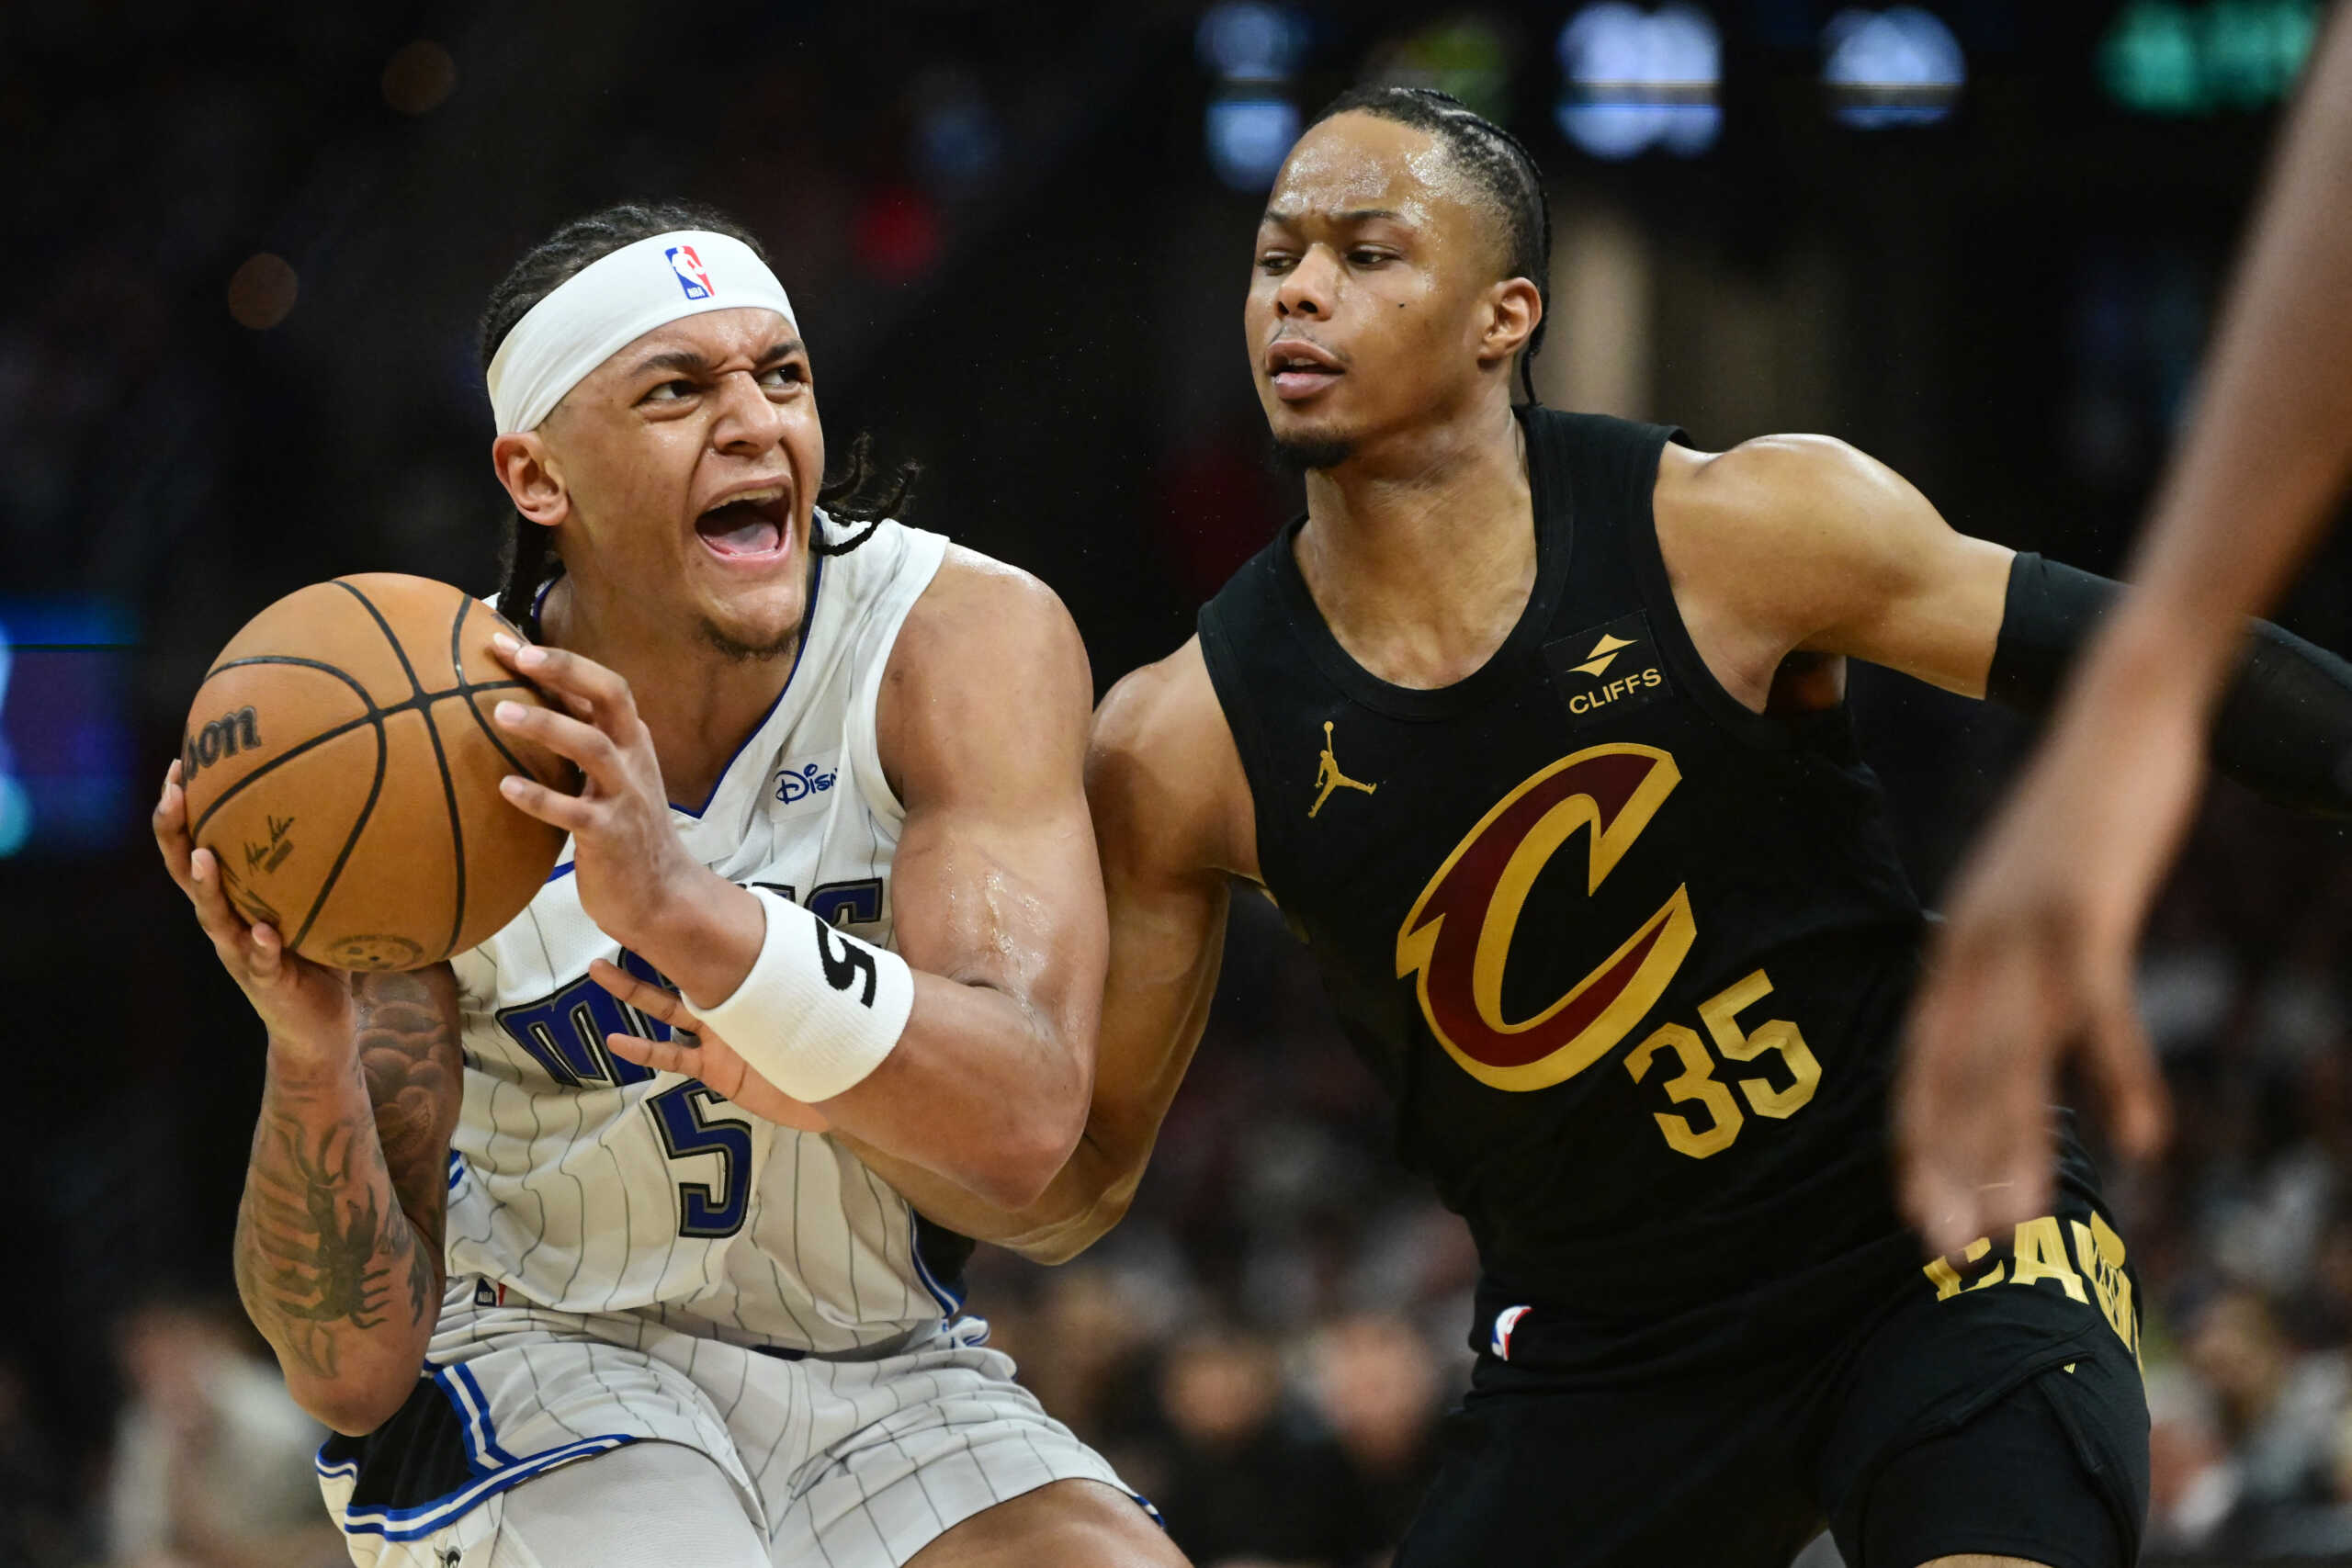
pixel 612 302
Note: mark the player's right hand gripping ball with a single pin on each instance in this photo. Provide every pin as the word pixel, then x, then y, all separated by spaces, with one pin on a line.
pixel 342 767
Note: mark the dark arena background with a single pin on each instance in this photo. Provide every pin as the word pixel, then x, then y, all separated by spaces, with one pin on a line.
pixel 1980 239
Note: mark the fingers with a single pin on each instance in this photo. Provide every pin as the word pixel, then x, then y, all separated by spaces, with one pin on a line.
pixel 170 824
pixel 592 749
pixel 2123 1062
pixel 568 812
pixel 656 1003
pixel 662 1055
pixel 1972 1106
pixel 570 676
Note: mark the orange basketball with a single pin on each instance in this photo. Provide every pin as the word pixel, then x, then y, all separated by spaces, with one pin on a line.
pixel 341 765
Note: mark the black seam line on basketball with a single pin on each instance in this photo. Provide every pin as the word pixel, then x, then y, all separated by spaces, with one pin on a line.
pixel 390 639
pixel 489 734
pixel 351 839
pixel 448 785
pixel 464 687
pixel 374 715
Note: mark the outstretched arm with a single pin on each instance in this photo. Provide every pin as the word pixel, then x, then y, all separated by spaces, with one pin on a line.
pixel 2036 955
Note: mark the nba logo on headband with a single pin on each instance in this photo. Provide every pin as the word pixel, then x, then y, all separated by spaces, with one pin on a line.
pixel 691 277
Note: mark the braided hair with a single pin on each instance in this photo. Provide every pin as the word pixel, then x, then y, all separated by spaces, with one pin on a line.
pixel 859 493
pixel 1503 171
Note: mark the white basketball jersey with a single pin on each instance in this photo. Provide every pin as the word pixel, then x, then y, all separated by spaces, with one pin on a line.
pixel 584 1182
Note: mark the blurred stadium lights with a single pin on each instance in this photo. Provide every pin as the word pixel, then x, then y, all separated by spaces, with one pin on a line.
pixel 1252 48
pixel 958 143
pixel 1640 79
pixel 1467 56
pixel 896 232
pixel 66 745
pixel 2165 58
pixel 1900 66
pixel 1252 42
pixel 1247 137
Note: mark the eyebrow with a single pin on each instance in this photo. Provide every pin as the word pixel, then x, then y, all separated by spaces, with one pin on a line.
pixel 695 364
pixel 1353 215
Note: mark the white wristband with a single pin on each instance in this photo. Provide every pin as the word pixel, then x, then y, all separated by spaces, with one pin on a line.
pixel 819 1008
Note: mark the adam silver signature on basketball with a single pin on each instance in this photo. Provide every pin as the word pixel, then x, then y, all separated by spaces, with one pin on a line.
pixel 561 1308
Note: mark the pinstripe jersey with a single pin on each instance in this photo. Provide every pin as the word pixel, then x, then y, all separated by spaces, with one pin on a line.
pixel 585 1182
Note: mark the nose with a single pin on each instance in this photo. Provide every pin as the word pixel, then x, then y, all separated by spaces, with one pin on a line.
pixel 748 422
pixel 1306 289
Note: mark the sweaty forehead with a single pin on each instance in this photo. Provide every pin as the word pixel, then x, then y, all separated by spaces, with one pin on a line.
pixel 1354 162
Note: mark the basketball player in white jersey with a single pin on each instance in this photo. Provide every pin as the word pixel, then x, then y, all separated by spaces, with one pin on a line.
pixel 562 1309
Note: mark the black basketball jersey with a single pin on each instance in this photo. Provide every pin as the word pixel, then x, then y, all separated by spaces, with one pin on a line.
pixel 1630 957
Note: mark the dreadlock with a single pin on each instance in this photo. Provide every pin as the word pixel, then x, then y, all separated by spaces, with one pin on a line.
pixel 1503 171
pixel 858 493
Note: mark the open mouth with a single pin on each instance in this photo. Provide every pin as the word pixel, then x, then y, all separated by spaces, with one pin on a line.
pixel 752 527
pixel 1300 370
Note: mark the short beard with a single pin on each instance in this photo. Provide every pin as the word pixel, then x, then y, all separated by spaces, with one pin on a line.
pixel 1305 453
pixel 737 652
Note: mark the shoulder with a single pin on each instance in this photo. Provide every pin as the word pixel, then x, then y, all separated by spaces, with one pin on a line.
pixel 1794 527
pixel 978 607
pixel 987 680
pixel 1162 770
pixel 1775 482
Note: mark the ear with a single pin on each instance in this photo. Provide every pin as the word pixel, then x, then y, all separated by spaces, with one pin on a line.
pixel 532 479
pixel 1514 309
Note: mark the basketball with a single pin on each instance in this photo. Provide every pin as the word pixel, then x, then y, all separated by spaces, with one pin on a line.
pixel 342 766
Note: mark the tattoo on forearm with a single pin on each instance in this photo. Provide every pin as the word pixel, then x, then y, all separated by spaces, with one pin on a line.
pixel 321 1253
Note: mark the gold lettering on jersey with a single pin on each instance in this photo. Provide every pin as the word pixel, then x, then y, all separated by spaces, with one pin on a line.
pixel 1328 776
pixel 2037 1251
pixel 2100 1252
pixel 1623 686
pixel 1456 939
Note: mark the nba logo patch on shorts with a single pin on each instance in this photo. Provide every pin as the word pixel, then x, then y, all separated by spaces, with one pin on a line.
pixel 692 279
pixel 1505 1321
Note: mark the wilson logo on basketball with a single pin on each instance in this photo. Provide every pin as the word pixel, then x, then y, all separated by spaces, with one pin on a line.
pixel 1456 941
pixel 224 736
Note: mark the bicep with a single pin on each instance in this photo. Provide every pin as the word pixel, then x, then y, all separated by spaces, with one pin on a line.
pixel 994 881
pixel 409 1053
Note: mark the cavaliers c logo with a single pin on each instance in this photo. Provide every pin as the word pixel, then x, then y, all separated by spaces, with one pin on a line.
pixel 1457 938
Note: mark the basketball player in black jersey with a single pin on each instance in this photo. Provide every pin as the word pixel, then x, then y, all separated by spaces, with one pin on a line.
pixel 1533 727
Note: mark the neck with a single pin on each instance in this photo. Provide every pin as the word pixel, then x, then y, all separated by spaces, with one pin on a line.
pixel 708 704
pixel 1420 551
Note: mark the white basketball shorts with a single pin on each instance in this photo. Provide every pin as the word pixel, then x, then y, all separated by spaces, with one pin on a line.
pixel 853 1464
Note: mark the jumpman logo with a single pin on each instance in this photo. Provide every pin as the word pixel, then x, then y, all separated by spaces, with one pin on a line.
pixel 1328 776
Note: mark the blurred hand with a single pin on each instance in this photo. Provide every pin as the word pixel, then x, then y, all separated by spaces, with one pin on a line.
pixel 712 1059
pixel 306 1006
pixel 2035 959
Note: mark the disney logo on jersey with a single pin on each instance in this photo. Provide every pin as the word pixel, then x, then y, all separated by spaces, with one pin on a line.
pixel 1607 670
pixel 1456 941
pixel 803 781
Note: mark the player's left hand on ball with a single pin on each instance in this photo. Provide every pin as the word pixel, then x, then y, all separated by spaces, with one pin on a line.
pixel 633 871
pixel 711 1059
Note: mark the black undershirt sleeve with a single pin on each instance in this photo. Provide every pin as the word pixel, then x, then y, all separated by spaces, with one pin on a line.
pixel 2285 727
